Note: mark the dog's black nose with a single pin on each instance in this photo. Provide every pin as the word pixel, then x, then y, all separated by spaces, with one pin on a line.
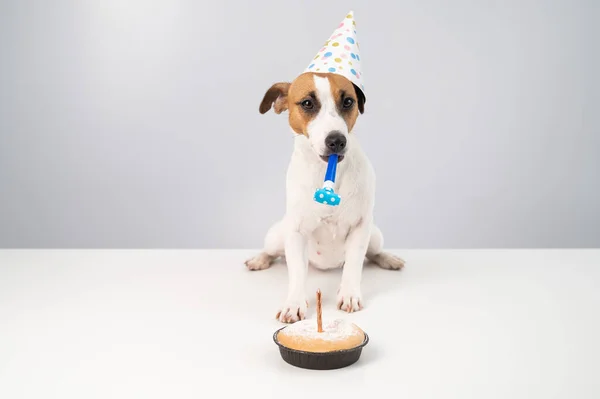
pixel 335 142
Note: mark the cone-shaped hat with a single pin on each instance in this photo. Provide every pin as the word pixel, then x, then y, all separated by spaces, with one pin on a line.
pixel 340 54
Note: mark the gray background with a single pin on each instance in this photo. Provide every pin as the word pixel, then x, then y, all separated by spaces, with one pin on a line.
pixel 136 124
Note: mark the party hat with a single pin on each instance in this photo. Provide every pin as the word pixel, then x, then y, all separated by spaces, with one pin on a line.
pixel 340 54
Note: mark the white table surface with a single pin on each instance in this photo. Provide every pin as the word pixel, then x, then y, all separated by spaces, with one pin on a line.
pixel 196 324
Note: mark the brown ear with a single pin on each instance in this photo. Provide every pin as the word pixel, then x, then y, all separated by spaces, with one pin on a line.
pixel 277 94
pixel 361 99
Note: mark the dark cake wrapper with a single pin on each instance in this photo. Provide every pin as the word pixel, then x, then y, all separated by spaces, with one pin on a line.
pixel 320 361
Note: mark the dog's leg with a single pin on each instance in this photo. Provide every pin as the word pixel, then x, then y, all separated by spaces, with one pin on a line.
pixel 296 255
pixel 349 296
pixel 376 255
pixel 273 248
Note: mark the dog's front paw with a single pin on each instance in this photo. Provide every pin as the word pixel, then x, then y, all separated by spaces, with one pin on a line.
pixel 292 311
pixel 349 300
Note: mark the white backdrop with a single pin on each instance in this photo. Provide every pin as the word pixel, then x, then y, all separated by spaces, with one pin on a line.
pixel 120 121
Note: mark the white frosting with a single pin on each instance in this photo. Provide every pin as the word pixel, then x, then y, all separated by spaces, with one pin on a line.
pixel 332 331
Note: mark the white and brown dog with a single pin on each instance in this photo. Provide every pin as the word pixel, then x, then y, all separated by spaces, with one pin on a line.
pixel 323 109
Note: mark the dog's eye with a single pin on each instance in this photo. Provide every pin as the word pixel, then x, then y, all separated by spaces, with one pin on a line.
pixel 307 104
pixel 348 102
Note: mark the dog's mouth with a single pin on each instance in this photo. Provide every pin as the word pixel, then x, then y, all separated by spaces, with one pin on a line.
pixel 325 158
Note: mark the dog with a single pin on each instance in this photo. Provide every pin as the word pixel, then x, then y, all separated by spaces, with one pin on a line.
pixel 322 111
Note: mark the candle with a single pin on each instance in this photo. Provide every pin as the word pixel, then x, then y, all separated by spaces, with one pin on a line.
pixel 319 311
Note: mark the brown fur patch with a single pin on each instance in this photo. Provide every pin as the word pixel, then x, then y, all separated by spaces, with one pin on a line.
pixel 276 96
pixel 285 96
pixel 302 88
pixel 342 88
pixel 361 100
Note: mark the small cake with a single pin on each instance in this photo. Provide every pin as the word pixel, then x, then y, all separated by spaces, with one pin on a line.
pixel 314 345
pixel 336 335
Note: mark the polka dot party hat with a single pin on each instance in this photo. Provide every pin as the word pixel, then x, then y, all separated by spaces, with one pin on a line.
pixel 340 53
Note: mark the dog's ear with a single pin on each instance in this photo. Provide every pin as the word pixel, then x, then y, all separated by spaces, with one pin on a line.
pixel 361 99
pixel 276 96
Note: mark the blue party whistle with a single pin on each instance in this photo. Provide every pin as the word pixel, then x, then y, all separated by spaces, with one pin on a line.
pixel 326 195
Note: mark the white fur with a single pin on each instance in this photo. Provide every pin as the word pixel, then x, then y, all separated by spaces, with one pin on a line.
pixel 325 236
pixel 328 118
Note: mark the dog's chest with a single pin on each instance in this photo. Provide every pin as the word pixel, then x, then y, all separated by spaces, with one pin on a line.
pixel 352 183
pixel 335 220
pixel 327 242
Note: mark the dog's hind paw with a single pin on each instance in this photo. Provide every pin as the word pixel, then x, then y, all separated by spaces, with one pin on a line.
pixel 387 261
pixel 260 262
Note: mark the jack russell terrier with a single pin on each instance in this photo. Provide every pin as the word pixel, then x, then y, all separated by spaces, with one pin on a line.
pixel 322 110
